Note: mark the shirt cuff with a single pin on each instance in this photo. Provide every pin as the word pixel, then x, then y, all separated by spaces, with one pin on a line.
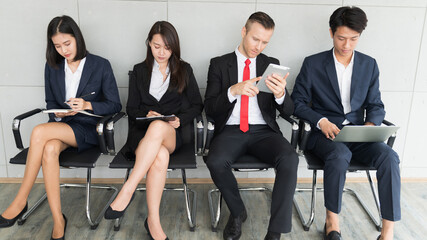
pixel 280 100
pixel 231 98
pixel 58 119
pixel 317 125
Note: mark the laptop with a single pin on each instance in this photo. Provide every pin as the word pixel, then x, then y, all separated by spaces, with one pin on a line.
pixel 365 133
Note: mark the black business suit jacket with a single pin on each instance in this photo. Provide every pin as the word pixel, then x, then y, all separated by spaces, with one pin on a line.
pixel 186 105
pixel 222 75
pixel 98 77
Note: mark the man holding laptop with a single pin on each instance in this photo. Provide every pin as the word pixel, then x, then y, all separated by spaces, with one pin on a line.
pixel 341 87
pixel 245 123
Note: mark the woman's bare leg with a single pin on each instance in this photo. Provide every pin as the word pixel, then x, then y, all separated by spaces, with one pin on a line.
pixel 158 134
pixel 156 178
pixel 40 135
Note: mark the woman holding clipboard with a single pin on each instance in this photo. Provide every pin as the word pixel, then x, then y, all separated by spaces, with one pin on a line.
pixel 70 72
pixel 163 84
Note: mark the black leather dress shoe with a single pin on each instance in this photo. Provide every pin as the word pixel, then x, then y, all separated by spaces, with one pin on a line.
pixel 65 229
pixel 332 235
pixel 9 222
pixel 272 236
pixel 113 214
pixel 233 229
pixel 148 230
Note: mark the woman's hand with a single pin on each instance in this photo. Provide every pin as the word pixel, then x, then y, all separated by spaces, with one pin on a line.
pixel 62 115
pixel 79 104
pixel 153 114
pixel 175 123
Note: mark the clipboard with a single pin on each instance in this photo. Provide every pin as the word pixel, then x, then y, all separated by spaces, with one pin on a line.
pixel 166 118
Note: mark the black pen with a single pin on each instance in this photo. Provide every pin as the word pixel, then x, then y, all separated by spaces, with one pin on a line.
pixel 83 96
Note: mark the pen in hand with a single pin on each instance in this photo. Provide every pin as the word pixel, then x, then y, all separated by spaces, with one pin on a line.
pixel 82 96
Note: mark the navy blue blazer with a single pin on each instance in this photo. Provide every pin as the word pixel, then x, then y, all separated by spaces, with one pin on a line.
pixel 98 77
pixel 317 85
pixel 222 75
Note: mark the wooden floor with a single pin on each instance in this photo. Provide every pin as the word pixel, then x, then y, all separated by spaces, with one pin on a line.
pixel 354 222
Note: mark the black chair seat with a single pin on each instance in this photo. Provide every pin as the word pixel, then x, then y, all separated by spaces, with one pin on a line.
pixel 85 159
pixel 315 163
pixel 183 158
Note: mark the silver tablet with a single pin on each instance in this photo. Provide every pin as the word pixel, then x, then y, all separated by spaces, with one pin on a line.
pixel 272 68
pixel 365 133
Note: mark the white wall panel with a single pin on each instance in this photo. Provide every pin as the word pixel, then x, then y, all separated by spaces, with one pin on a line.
pixel 421 80
pixel 394 3
pixel 2 153
pixel 117 30
pixel 205 34
pixel 23 26
pixel 296 35
pixel 307 2
pixel 414 154
pixel 393 38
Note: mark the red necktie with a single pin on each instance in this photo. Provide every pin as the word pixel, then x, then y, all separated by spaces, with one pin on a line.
pixel 244 125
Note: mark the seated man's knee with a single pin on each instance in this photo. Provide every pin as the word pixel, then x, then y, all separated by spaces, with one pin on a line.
pixel 339 159
pixel 288 162
pixel 216 163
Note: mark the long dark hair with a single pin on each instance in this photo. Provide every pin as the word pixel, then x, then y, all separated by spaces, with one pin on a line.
pixel 63 24
pixel 178 74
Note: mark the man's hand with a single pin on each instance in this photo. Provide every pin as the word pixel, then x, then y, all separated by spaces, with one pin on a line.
pixel 329 129
pixel 245 88
pixel 369 124
pixel 276 84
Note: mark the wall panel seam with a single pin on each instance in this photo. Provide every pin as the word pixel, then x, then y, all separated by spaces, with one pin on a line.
pixel 4 146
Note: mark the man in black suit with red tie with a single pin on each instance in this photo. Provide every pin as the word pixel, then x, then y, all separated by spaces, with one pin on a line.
pixel 245 123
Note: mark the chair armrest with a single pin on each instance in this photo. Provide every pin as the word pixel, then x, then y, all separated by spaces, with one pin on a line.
pixel 100 129
pixel 305 133
pixel 109 132
pixel 16 124
pixel 200 127
pixel 392 138
pixel 295 129
pixel 209 135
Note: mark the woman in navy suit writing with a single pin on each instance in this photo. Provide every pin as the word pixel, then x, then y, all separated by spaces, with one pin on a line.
pixel 70 72
pixel 161 85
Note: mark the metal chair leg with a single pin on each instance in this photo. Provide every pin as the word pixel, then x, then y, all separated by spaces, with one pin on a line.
pixel 214 216
pixel 118 221
pixel 32 209
pixel 307 223
pixel 191 213
pixel 88 186
pixel 379 225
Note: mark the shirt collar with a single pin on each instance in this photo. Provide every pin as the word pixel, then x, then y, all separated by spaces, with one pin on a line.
pixel 79 68
pixel 336 60
pixel 156 67
pixel 241 57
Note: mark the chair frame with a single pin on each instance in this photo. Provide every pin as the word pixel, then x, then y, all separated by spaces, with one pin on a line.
pixel 375 217
pixel 100 130
pixel 190 206
pixel 215 212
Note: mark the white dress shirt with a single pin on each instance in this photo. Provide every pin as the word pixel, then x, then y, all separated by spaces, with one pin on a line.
pixel 254 112
pixel 344 83
pixel 72 80
pixel 158 87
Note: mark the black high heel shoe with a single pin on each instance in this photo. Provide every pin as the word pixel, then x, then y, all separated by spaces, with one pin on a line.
pixel 148 230
pixel 65 229
pixel 113 214
pixel 9 222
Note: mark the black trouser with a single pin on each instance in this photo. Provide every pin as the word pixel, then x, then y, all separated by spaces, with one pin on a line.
pixel 337 156
pixel 268 146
